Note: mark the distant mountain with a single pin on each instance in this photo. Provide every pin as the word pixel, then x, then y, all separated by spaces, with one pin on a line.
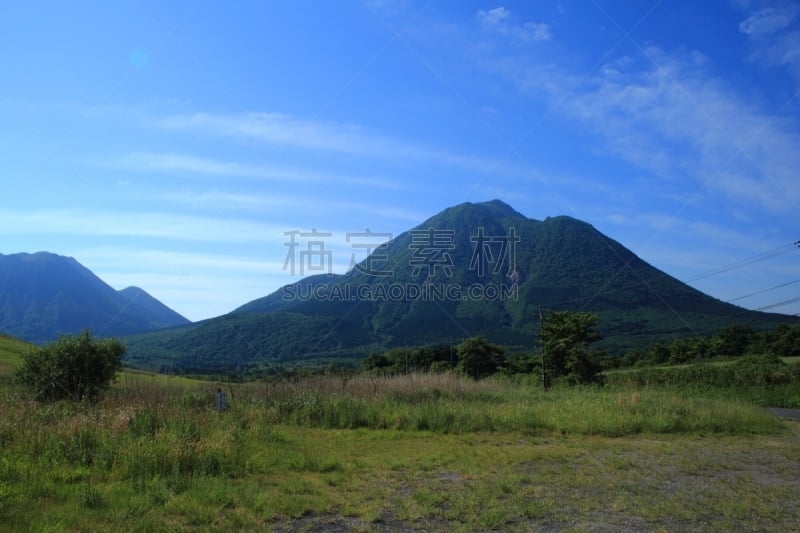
pixel 471 269
pixel 43 295
pixel 152 308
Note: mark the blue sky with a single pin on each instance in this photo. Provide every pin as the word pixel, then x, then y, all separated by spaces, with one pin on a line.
pixel 171 145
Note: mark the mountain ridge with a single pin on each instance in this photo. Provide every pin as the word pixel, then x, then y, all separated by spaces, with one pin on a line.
pixel 559 263
pixel 43 295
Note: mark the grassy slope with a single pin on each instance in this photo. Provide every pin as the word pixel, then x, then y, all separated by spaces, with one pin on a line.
pixel 132 378
pixel 11 351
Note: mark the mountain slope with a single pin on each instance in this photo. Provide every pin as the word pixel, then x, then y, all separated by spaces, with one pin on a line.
pixel 418 289
pixel 43 295
pixel 146 305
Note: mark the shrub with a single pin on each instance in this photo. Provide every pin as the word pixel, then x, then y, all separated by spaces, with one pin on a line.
pixel 75 367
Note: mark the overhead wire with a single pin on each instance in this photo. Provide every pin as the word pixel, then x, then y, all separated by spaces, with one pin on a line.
pixel 744 262
pixel 779 304
pixel 764 290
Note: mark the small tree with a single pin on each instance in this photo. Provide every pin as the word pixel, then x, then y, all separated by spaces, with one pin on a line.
pixel 478 358
pixel 75 367
pixel 565 338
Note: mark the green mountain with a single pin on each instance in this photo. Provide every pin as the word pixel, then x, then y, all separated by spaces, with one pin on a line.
pixel 43 295
pixel 472 269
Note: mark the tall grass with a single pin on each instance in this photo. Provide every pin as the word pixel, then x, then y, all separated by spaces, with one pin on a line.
pixel 150 451
pixel 450 404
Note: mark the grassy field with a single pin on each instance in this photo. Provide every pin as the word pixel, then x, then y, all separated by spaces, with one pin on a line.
pixel 418 452
pixel 11 351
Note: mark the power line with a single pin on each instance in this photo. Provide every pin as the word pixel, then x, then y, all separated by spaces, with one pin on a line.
pixel 744 262
pixel 779 304
pixel 763 291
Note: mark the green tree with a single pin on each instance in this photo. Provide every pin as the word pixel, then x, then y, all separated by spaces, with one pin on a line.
pixel 734 340
pixel 478 357
pixel 565 339
pixel 689 349
pixel 783 341
pixel 75 367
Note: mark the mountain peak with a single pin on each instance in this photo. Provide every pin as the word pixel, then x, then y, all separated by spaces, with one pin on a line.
pixel 36 256
pixel 43 295
pixel 133 291
pixel 494 208
pixel 473 215
pixel 152 307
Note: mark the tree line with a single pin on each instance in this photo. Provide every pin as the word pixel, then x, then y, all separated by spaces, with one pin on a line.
pixel 732 342
pixel 81 367
pixel 565 354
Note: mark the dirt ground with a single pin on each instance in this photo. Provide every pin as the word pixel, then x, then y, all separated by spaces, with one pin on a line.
pixel 628 485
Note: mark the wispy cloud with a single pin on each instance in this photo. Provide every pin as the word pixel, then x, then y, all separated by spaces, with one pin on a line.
pixel 279 129
pixel 500 20
pixel 768 20
pixel 185 164
pixel 775 37
pixel 667 114
pixel 234 201
pixel 136 224
pixel 287 131
pixel 676 120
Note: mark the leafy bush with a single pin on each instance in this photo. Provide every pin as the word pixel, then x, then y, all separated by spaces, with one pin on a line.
pixel 75 367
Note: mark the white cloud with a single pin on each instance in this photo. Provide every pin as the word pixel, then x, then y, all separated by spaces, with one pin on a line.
pixel 277 128
pixel 258 202
pixel 672 118
pixel 493 17
pixel 768 20
pixel 177 163
pixel 284 130
pixel 183 163
pixel 774 36
pixel 783 51
pixel 232 201
pixel 500 20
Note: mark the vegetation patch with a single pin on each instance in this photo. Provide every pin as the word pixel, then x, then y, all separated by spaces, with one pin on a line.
pixel 417 452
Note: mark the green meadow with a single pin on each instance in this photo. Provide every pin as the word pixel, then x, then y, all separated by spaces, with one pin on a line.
pixel 414 452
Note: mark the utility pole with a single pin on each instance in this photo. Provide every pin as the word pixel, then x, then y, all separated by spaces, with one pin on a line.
pixel 544 371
